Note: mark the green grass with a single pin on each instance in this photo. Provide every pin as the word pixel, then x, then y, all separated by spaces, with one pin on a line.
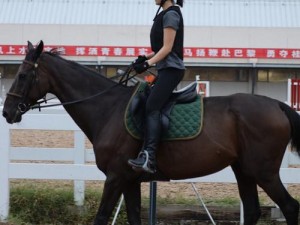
pixel 47 206
pixel 33 203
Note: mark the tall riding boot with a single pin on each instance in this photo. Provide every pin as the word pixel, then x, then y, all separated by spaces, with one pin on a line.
pixel 146 159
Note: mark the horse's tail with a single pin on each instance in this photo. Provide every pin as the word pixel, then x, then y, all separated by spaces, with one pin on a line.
pixel 294 119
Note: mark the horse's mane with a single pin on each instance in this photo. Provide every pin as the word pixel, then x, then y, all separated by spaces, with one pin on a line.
pixel 57 53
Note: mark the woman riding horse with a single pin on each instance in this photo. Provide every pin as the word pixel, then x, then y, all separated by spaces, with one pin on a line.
pixel 167 45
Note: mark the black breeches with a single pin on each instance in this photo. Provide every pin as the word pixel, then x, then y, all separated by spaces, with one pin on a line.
pixel 166 82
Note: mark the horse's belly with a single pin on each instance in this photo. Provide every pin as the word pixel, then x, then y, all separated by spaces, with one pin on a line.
pixel 182 163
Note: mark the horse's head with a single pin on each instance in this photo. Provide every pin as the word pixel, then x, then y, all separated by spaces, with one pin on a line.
pixel 26 89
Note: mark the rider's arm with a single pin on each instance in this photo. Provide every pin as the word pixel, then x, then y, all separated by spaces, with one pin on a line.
pixel 169 38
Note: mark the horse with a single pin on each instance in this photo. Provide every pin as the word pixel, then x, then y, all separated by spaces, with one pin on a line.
pixel 247 132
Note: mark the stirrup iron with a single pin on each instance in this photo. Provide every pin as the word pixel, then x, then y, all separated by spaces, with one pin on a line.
pixel 146 166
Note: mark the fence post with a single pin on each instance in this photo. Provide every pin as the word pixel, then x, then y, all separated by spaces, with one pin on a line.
pixel 4 170
pixel 152 207
pixel 294 85
pixel 289 92
pixel 79 158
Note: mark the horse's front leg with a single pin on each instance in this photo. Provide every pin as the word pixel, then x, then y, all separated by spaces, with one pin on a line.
pixel 132 195
pixel 111 193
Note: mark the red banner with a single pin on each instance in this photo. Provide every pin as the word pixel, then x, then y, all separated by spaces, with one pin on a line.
pixel 193 52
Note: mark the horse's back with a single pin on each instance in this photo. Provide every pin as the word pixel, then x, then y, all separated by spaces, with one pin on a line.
pixel 247 108
pixel 257 116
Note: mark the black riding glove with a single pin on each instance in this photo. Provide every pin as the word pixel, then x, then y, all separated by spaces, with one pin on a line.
pixel 139 59
pixel 142 67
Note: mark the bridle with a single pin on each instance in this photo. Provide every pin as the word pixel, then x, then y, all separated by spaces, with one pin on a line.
pixel 24 107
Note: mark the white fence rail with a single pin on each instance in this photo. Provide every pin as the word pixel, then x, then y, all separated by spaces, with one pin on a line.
pixel 77 170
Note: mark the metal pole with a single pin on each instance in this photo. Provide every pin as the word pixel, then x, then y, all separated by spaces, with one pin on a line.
pixel 201 200
pixel 118 210
pixel 152 207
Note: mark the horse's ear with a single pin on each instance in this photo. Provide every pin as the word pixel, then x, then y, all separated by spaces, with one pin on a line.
pixel 39 48
pixel 29 46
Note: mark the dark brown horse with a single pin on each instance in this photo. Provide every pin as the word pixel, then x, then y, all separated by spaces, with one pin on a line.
pixel 249 133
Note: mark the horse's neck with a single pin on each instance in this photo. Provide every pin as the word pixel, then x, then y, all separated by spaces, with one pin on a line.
pixel 96 115
pixel 90 115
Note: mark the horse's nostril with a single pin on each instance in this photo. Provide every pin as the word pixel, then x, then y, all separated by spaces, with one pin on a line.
pixel 4 114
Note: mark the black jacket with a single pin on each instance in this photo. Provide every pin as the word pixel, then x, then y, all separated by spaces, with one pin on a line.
pixel 157 33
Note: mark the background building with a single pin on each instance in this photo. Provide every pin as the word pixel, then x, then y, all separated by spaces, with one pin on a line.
pixel 249 46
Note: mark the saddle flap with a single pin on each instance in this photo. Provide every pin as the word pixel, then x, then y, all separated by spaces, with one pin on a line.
pixel 137 105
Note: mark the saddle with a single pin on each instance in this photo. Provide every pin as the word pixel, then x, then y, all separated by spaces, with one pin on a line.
pixel 181 115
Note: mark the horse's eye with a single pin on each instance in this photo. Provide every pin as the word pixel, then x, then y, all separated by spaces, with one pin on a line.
pixel 22 75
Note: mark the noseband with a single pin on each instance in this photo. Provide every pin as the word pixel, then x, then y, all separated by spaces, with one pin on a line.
pixel 22 106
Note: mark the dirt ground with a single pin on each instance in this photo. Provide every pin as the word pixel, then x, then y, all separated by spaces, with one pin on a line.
pixel 208 191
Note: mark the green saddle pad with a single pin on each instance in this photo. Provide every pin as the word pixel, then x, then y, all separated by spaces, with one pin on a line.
pixel 185 121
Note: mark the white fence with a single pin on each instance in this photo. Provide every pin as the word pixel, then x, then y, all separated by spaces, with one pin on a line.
pixel 78 171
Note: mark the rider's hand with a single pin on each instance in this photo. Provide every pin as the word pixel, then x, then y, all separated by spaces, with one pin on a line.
pixel 139 59
pixel 142 67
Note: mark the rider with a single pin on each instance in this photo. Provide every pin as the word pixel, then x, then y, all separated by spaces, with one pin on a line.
pixel 167 45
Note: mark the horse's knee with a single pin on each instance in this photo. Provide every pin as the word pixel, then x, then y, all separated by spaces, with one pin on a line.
pixel 251 218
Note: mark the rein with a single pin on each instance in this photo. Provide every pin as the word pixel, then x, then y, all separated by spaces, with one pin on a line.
pixel 125 77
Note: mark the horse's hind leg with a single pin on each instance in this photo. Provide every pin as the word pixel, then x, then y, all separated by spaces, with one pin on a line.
pixel 273 186
pixel 132 195
pixel 248 193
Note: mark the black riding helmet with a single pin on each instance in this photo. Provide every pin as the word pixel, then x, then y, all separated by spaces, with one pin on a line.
pixel 162 2
pixel 179 2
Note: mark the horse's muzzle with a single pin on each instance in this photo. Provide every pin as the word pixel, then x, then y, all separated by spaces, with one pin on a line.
pixel 17 117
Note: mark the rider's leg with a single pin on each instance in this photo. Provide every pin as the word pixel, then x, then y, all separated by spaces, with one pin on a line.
pixel 167 81
pixel 146 159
